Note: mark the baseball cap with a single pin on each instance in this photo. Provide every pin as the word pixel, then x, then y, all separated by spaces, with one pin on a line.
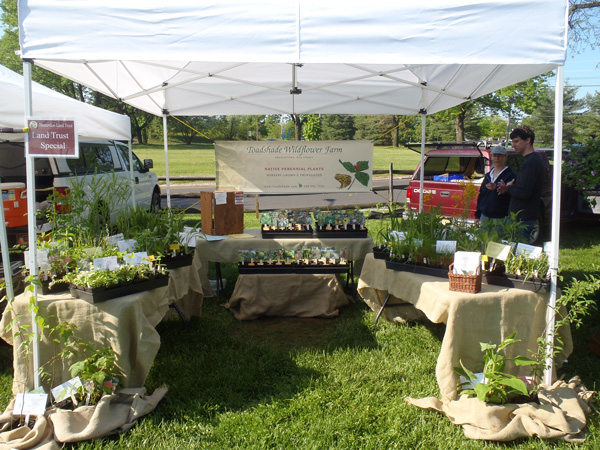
pixel 498 150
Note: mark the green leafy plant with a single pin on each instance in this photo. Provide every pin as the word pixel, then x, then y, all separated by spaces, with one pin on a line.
pixel 497 386
pixel 97 372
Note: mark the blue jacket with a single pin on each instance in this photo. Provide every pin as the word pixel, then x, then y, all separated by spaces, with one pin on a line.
pixel 489 203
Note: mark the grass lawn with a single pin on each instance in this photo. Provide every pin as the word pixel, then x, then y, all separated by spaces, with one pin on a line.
pixel 287 383
pixel 199 159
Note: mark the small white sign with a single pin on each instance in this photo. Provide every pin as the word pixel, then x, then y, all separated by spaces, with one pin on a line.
pixel 466 263
pixel 30 404
pixel 220 198
pixel 398 236
pixel 106 263
pixel 498 251
pixel 136 258
pixel 66 390
pixel 115 238
pixel 528 250
pixel 445 246
pixel 126 245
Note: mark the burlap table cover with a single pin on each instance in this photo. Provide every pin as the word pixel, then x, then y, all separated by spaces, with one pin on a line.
pixel 226 251
pixel 126 323
pixel 488 316
pixel 291 295
pixel 115 413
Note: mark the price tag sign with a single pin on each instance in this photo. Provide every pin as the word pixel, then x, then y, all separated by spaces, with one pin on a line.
pixel 52 137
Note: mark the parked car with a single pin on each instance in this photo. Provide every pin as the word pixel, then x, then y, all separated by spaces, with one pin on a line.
pixel 446 166
pixel 99 163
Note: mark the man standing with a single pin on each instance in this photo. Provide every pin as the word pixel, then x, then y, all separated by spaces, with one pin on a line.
pixel 526 191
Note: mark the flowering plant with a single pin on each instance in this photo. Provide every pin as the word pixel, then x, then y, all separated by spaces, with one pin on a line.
pixel 581 167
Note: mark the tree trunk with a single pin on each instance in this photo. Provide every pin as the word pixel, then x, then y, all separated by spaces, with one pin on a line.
pixel 395 123
pixel 459 123
pixel 297 125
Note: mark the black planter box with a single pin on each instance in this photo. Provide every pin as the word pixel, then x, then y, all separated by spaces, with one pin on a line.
pixel 518 282
pixel 56 287
pixel 97 295
pixel 286 233
pixel 323 232
pixel 381 253
pixel 422 270
pixel 178 261
pixel 274 269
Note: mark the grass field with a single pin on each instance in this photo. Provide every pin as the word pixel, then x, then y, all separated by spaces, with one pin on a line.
pixel 199 159
pixel 286 383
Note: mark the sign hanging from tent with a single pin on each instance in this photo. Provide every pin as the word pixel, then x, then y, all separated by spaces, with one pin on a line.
pixel 52 137
pixel 281 167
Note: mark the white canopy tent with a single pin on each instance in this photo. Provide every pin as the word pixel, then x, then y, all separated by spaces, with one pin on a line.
pixel 92 122
pixel 302 56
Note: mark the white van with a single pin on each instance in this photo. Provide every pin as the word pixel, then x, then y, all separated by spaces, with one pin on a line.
pixel 99 162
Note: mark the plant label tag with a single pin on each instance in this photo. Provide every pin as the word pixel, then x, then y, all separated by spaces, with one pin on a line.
pixel 30 404
pixel 136 258
pixel 42 258
pixel 115 238
pixel 106 263
pixel 66 390
pixel 498 251
pixel 528 250
pixel 126 245
pixel 445 246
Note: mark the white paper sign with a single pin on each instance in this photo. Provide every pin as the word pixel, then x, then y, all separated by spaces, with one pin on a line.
pixel 106 263
pixel 65 390
pixel 498 251
pixel 115 238
pixel 398 236
pixel 220 198
pixel 528 250
pixel 126 245
pixel 30 404
pixel 445 246
pixel 136 258
pixel 466 263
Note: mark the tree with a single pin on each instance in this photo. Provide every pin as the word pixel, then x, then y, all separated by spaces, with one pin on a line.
pixel 583 24
pixel 298 121
pixel 313 128
pixel 337 127
pixel 542 117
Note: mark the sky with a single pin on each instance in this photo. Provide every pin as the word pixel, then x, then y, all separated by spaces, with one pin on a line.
pixel 583 70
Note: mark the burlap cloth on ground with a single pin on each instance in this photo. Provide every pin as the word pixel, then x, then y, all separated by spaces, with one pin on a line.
pixel 289 295
pixel 561 414
pixel 488 316
pixel 113 414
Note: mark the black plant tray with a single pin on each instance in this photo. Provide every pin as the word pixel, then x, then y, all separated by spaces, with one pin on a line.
pixel 379 253
pixel 286 233
pixel 422 270
pixel 178 261
pixel 274 269
pixel 517 282
pixel 96 296
pixel 323 232
pixel 56 287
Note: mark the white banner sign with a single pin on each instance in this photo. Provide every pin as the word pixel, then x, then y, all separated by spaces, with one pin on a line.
pixel 280 167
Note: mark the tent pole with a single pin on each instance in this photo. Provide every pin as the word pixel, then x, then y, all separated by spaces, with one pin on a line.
pixel 556 183
pixel 131 183
pixel 422 171
pixel 165 138
pixel 10 293
pixel 31 220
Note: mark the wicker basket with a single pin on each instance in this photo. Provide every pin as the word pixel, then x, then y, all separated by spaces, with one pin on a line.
pixel 470 284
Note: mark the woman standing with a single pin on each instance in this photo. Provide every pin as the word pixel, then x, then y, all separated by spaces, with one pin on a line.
pixel 490 204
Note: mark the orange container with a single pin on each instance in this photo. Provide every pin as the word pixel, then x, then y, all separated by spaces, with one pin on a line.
pixel 14 201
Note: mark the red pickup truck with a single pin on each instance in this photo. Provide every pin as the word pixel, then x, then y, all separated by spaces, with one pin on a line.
pixel 450 168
